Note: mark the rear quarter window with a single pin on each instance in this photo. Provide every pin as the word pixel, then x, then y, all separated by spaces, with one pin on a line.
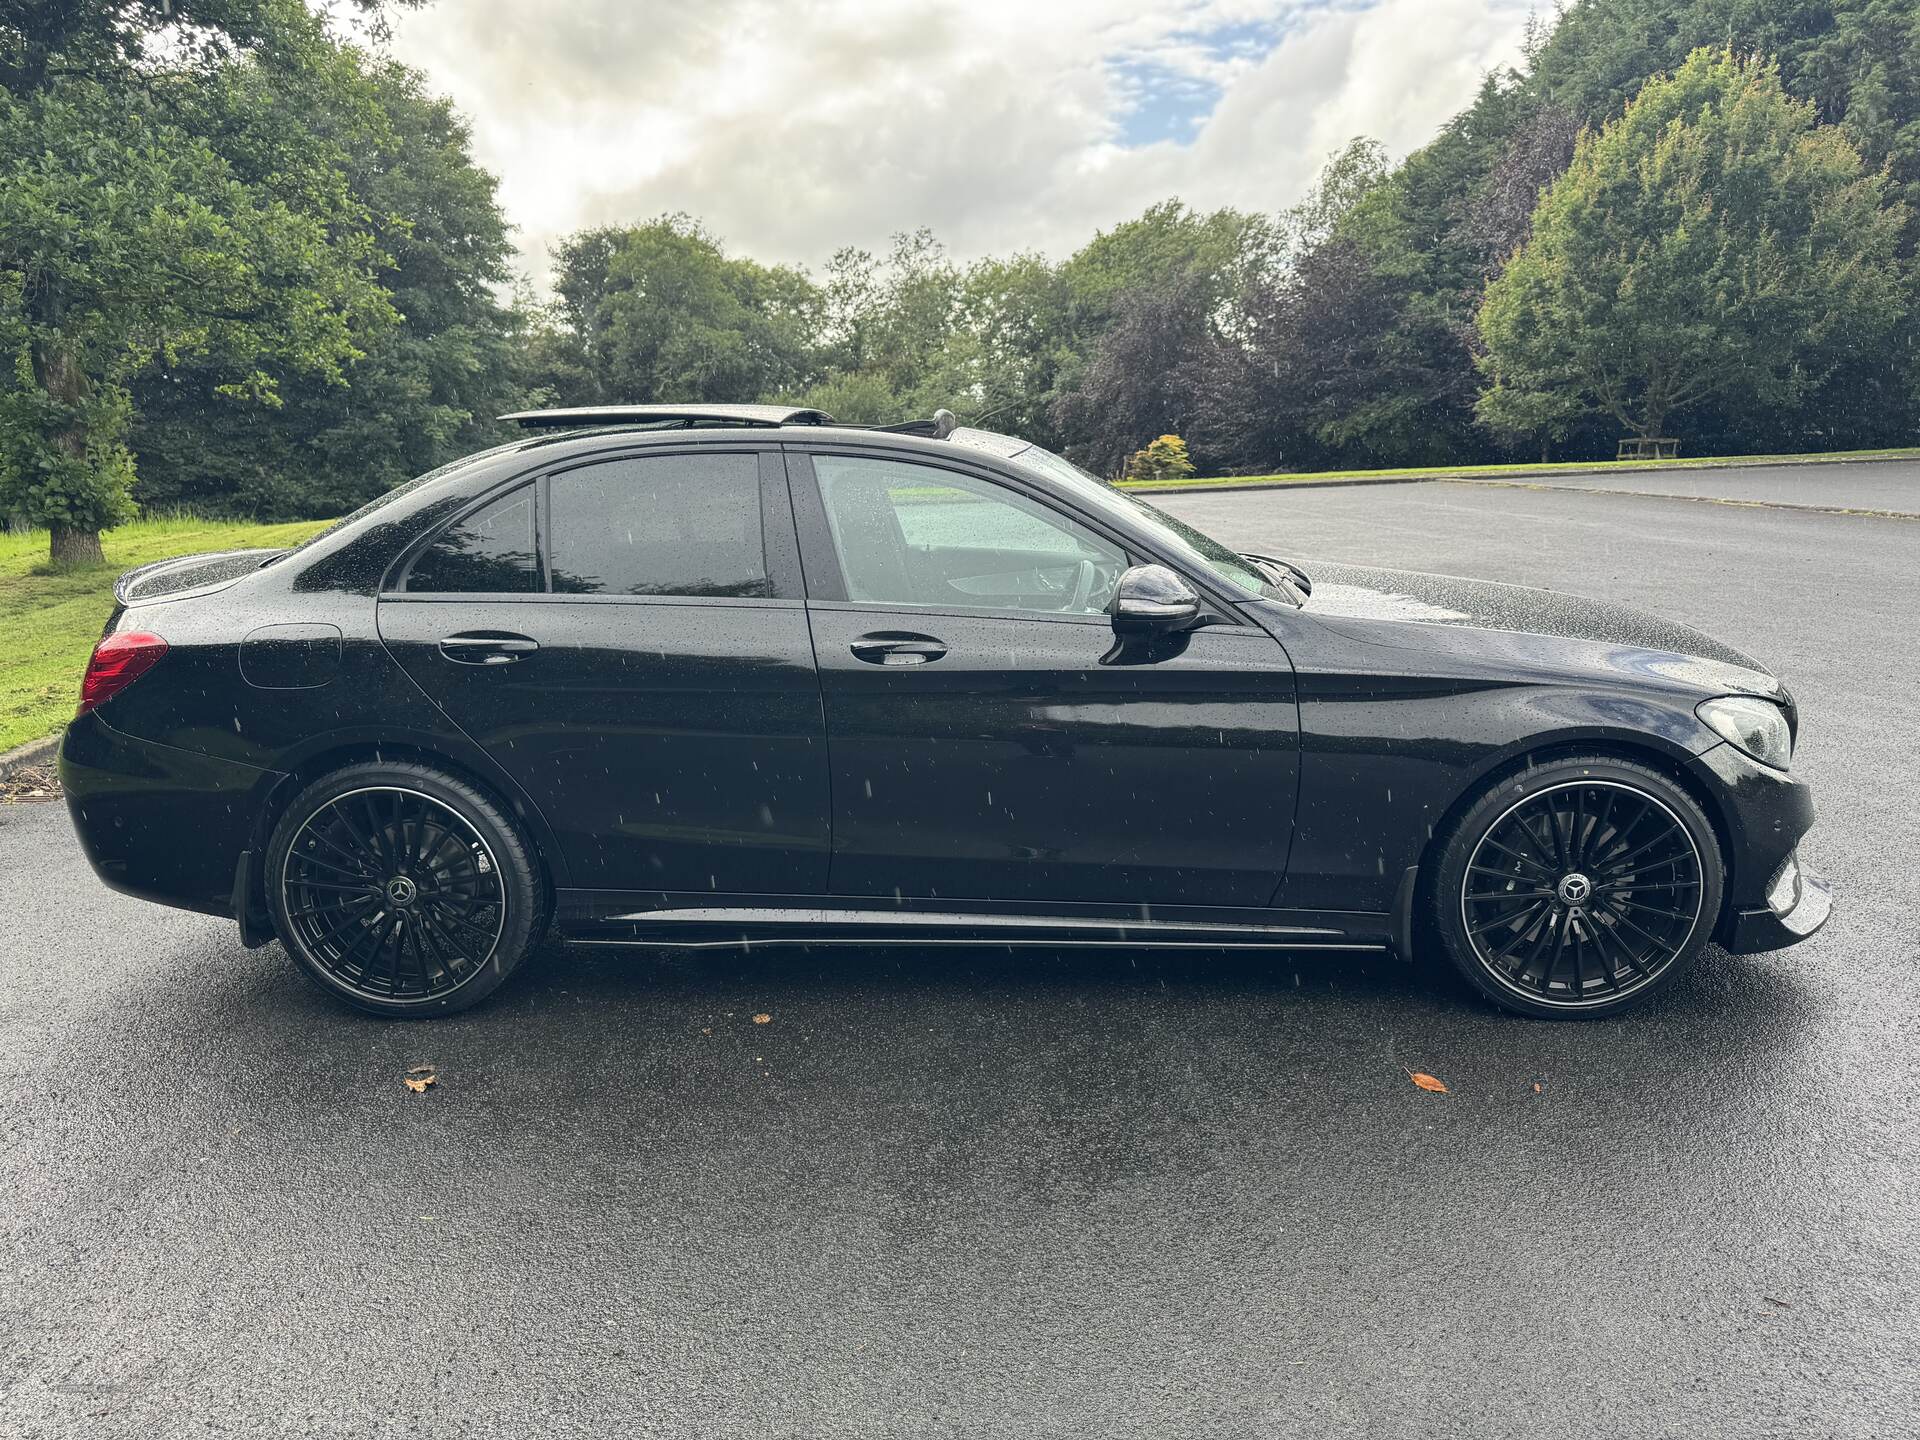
pixel 487 551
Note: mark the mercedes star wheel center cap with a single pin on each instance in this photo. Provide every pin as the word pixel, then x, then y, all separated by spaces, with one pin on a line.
pixel 402 891
pixel 1574 890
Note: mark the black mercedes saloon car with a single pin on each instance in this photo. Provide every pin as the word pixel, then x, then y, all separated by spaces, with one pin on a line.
pixel 738 675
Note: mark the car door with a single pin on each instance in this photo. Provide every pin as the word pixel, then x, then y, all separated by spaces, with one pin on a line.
pixel 626 637
pixel 992 739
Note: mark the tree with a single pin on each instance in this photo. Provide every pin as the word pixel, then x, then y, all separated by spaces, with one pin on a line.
pixel 1538 154
pixel 661 313
pixel 1138 301
pixel 427 388
pixel 1131 388
pixel 126 238
pixel 1715 240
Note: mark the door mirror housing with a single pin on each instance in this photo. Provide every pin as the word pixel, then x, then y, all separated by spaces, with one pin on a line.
pixel 1151 599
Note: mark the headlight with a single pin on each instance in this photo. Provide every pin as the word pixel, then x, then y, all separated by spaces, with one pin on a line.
pixel 1757 726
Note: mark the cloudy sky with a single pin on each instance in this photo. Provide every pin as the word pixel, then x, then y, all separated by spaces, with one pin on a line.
pixel 795 126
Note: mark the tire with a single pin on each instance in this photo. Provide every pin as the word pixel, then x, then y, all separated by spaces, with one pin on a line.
pixel 403 890
pixel 1577 888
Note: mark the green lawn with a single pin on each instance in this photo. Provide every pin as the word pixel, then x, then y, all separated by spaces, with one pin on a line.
pixel 1494 472
pixel 49 622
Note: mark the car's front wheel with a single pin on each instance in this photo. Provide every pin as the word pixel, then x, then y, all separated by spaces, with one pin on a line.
pixel 403 890
pixel 1577 887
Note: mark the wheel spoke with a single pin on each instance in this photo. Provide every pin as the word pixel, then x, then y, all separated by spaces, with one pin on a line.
pixel 1513 917
pixel 1650 909
pixel 1546 871
pixel 1586 855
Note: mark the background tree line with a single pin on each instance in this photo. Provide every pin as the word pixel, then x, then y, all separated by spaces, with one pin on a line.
pixel 250 267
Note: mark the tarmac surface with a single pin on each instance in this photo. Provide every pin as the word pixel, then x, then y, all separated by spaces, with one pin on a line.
pixel 1018 1193
pixel 1879 486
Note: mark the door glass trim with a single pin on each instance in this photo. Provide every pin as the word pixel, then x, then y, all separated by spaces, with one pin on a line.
pixel 536 597
pixel 974 612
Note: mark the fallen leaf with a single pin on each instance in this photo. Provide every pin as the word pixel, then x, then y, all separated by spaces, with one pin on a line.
pixel 1783 1304
pixel 762 1018
pixel 1427 1082
pixel 419 1077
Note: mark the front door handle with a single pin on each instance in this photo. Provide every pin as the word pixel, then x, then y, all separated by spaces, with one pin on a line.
pixel 897 647
pixel 488 647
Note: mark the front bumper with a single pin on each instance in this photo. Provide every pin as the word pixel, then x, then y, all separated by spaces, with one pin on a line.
pixel 158 822
pixel 1802 907
pixel 1772 900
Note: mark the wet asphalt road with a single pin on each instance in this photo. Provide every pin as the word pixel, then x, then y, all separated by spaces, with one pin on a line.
pixel 1016 1194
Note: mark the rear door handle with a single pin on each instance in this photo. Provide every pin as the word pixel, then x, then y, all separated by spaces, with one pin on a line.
pixel 897 647
pixel 488 647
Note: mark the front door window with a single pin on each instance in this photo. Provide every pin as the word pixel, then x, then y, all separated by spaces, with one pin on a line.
pixel 914 535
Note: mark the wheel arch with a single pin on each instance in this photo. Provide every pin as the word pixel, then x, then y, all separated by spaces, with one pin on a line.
pixel 323 758
pixel 1669 760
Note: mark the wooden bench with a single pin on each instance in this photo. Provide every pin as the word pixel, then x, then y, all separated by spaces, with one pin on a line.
pixel 1643 447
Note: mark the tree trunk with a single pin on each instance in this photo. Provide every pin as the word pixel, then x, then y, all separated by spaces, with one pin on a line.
pixel 61 376
pixel 73 548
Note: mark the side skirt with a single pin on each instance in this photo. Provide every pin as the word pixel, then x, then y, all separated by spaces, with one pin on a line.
pixel 708 921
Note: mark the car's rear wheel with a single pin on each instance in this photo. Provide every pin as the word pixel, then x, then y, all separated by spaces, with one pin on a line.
pixel 1578 887
pixel 404 890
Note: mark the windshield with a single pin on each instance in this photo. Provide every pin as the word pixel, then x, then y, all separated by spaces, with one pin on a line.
pixel 1201 549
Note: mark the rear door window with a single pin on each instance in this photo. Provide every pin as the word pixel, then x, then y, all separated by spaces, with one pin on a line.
pixel 659 525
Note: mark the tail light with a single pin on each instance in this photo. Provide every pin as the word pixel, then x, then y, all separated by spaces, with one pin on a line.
pixel 118 661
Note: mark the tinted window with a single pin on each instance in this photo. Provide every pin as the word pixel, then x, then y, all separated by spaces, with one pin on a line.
pixel 913 535
pixel 490 550
pixel 665 525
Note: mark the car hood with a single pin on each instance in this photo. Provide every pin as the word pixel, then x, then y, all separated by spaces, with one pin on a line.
pixel 1634 641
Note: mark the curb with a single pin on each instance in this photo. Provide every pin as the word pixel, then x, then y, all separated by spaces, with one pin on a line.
pixel 1285 485
pixel 1520 473
pixel 34 752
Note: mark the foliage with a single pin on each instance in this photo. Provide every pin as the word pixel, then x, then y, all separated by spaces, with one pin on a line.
pixel 426 387
pixel 1162 459
pixel 660 312
pixel 1715 240
pixel 128 238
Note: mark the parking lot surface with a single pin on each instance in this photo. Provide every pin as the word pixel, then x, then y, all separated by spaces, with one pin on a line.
pixel 1016 1193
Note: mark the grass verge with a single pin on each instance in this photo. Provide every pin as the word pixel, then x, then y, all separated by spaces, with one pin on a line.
pixel 49 620
pixel 1581 467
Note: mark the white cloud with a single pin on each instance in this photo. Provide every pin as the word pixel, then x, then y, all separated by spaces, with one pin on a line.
pixel 793 128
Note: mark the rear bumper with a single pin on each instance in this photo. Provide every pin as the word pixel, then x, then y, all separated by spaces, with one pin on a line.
pixel 161 823
pixel 1772 900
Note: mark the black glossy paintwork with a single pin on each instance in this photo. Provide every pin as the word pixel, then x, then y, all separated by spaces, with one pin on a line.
pixel 1285 761
pixel 677 746
pixel 158 821
pixel 1042 759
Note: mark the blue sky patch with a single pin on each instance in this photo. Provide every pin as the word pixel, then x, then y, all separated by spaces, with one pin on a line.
pixel 1159 101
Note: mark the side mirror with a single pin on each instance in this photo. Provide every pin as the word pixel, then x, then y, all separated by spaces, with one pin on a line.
pixel 1151 599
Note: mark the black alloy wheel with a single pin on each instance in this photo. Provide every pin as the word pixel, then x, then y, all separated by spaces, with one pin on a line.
pixel 403 890
pixel 1579 887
